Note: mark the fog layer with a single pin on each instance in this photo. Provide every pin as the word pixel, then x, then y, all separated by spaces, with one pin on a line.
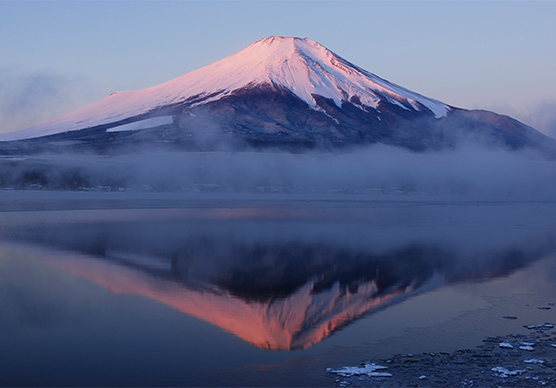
pixel 374 170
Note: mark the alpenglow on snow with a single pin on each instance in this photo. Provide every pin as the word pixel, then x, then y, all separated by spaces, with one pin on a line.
pixel 300 65
pixel 278 92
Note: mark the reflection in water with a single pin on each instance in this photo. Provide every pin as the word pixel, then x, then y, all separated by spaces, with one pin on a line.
pixel 278 285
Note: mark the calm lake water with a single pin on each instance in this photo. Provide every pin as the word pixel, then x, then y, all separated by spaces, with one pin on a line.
pixel 120 289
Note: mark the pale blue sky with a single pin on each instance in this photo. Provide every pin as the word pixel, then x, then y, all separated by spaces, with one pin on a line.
pixel 58 55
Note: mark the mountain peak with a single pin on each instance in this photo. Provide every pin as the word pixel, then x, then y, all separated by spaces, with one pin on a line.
pixel 273 40
pixel 300 66
pixel 307 68
pixel 276 42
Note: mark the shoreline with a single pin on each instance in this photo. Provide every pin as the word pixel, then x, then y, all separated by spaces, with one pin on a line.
pixel 513 360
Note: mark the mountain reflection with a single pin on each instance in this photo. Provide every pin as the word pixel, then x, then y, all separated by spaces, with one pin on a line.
pixel 274 289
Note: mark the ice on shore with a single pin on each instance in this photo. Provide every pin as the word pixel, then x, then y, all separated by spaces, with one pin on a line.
pixel 503 372
pixel 368 369
pixel 506 345
pixel 533 361
pixel 527 347
pixel 546 326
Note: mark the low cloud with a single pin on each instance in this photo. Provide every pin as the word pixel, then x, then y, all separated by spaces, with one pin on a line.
pixel 467 171
pixel 543 118
pixel 376 170
pixel 30 98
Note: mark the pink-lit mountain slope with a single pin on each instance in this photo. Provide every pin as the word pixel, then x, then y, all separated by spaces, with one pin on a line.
pixel 276 92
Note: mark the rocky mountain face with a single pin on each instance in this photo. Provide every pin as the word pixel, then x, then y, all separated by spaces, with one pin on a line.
pixel 279 92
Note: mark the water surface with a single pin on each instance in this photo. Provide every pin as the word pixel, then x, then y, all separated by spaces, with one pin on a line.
pixel 124 289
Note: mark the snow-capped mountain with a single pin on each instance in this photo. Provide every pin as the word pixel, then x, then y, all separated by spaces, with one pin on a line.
pixel 276 91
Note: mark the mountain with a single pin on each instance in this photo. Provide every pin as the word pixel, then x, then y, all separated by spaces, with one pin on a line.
pixel 286 92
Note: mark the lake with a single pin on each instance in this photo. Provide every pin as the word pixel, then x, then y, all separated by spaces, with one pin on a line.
pixel 216 289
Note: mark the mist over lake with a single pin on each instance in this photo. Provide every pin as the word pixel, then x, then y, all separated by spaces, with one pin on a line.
pixel 469 171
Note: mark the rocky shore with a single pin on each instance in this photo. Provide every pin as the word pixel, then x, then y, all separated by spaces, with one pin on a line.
pixel 514 360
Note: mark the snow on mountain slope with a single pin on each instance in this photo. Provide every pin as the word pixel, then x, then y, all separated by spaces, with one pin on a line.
pixel 302 66
pixel 143 124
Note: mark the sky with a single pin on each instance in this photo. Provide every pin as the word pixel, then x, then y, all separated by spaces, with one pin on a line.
pixel 56 56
